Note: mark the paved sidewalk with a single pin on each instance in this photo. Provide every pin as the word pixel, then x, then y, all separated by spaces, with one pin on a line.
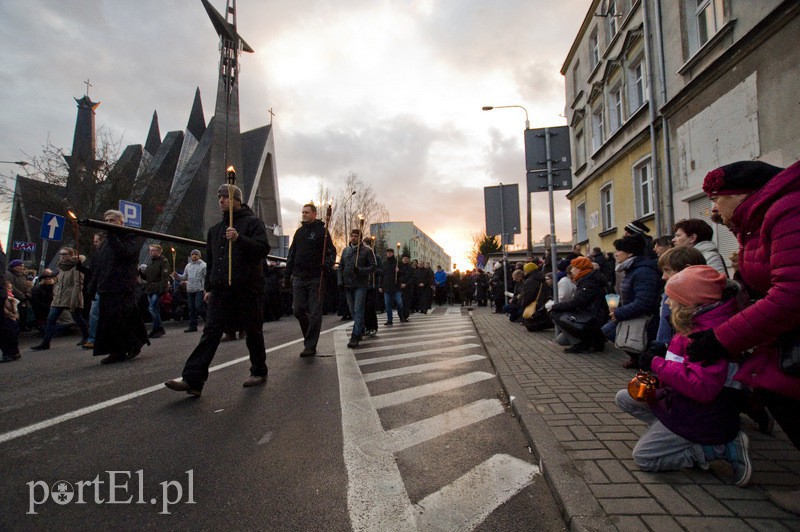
pixel 584 442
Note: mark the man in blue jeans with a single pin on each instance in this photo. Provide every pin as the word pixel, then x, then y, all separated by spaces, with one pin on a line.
pixel 355 268
pixel 194 275
pixel 390 287
pixel 156 276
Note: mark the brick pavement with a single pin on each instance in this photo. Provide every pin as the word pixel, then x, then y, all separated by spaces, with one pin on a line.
pixel 584 442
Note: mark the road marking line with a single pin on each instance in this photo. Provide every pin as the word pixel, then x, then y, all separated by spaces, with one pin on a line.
pixel 47 423
pixel 386 336
pixel 467 502
pixel 409 344
pixel 427 429
pixel 425 390
pixel 421 368
pixel 415 354
pixel 376 494
pixel 430 335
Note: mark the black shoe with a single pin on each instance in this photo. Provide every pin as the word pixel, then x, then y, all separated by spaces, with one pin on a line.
pixel 81 342
pixel 191 329
pixel 353 342
pixel 388 323
pixel 403 320
pixel 158 333
pixel 113 357
pixel 308 352
pixel 40 347
pixel 133 353
pixel 183 386
pixel 7 359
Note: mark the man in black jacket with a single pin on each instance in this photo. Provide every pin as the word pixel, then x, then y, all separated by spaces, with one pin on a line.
pixel 355 269
pixel 304 266
pixel 239 302
pixel 390 287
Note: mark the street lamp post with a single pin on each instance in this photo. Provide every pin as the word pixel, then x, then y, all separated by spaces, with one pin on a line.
pixel 528 217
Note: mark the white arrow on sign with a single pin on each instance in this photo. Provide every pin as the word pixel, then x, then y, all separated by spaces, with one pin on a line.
pixel 53 223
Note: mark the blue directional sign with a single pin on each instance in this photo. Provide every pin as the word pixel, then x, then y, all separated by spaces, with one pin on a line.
pixel 52 226
pixel 131 213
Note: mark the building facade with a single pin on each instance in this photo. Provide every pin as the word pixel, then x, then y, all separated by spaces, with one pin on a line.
pixel 408 235
pixel 660 93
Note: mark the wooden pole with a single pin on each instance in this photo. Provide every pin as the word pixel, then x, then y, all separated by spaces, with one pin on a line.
pixel 231 184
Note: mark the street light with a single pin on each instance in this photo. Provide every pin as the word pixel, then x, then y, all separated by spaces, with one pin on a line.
pixel 347 214
pixel 528 218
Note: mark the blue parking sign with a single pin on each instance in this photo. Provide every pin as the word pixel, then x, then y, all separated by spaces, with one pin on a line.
pixel 131 213
pixel 52 226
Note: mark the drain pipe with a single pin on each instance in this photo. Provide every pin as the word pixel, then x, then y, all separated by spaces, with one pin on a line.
pixel 651 105
pixel 670 208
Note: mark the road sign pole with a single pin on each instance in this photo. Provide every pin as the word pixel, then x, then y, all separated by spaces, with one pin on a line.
pixel 44 256
pixel 503 239
pixel 553 245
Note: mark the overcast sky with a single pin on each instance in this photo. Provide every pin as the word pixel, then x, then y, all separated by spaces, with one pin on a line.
pixel 389 89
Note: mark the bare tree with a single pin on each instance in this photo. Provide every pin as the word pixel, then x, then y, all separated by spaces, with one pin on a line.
pixel 483 244
pixel 356 198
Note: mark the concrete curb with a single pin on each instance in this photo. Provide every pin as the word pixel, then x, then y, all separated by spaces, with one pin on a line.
pixel 580 508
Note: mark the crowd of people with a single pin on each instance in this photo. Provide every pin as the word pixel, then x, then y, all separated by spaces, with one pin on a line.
pixel 717 342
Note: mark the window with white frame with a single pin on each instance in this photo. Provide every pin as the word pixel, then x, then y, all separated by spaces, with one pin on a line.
pixel 637 84
pixel 615 114
pixel 580 147
pixel 607 206
pixel 594 49
pixel 643 188
pixel 705 19
pixel 580 222
pixel 598 128
pixel 611 21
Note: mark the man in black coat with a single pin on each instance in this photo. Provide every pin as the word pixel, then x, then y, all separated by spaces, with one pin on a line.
pixel 390 287
pixel 406 279
pixel 304 266
pixel 120 329
pixel 240 301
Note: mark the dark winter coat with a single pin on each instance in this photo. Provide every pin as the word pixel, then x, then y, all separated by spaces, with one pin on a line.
pixel 114 268
pixel 348 277
pixel 305 254
pixel 767 224
pixel 640 291
pixel 389 275
pixel 249 251
pixel 156 275
pixel 531 284
pixel 482 284
pixel 405 275
pixel 590 296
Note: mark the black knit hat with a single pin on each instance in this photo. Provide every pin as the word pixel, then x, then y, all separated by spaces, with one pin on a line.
pixel 637 228
pixel 740 177
pixel 630 244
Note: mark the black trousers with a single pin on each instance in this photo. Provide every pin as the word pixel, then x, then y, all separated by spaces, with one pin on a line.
pixel 786 412
pixel 228 305
pixel 370 311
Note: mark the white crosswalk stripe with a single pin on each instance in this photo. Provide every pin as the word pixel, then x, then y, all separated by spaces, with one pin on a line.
pixel 420 368
pixel 377 497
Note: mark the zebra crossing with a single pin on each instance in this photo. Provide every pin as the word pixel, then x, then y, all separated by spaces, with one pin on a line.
pixel 421 351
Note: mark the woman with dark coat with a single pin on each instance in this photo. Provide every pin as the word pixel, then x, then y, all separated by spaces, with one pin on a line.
pixel 590 297
pixel 758 202
pixel 640 290
pixel 482 284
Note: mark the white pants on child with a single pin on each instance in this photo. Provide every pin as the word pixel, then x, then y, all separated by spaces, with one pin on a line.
pixel 659 449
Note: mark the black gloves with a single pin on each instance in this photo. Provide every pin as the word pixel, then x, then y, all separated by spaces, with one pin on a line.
pixel 655 349
pixel 705 348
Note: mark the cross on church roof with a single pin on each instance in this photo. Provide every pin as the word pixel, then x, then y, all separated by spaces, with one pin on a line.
pixel 87 86
pixel 271 115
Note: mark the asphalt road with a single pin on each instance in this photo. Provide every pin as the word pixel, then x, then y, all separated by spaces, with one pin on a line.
pixel 409 432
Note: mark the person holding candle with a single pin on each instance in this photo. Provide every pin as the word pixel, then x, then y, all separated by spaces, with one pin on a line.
pixel 311 254
pixel 356 266
pixel 639 290
pixel 238 301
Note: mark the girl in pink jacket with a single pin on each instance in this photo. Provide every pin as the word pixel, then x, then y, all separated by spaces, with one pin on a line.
pixel 694 417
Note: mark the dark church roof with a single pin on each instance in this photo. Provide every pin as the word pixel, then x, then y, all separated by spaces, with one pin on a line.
pixel 153 141
pixel 197 122
pixel 224 28
pixel 254 142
